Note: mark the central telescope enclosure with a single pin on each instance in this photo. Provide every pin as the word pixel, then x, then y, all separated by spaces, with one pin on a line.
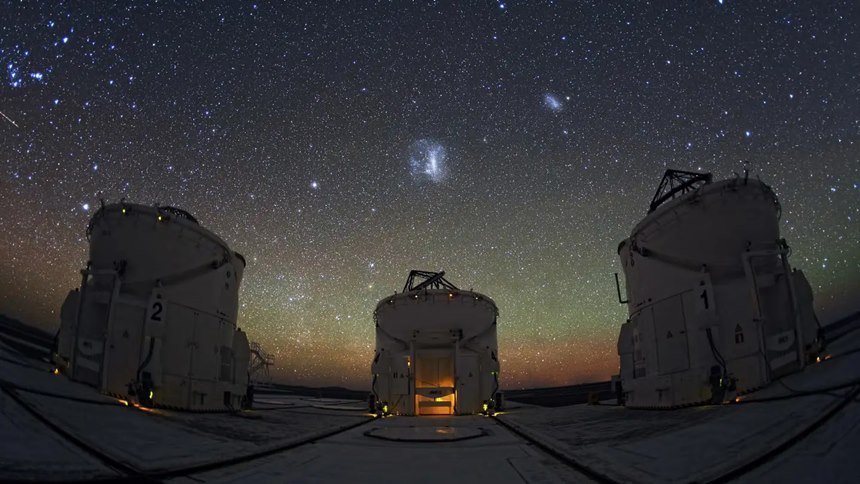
pixel 436 350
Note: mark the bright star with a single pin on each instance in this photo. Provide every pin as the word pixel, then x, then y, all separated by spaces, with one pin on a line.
pixel 315 184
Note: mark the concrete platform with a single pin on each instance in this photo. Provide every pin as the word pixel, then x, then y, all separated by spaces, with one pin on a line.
pixel 497 456
pixel 804 428
pixel 425 433
pixel 708 443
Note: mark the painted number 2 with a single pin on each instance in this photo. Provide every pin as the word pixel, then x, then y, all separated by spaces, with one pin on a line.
pixel 156 311
pixel 704 297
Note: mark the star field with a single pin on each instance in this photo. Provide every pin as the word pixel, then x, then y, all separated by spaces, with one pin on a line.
pixel 511 144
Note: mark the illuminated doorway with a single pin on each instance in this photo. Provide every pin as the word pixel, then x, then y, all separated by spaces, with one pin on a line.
pixel 434 382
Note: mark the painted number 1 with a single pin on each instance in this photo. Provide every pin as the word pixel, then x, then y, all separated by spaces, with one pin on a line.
pixel 704 297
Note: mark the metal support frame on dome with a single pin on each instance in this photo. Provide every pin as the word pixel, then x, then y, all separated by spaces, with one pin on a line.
pixel 676 182
pixel 432 280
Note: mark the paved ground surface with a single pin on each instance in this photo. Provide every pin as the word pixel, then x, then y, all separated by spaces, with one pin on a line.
pixel 496 456
pixel 708 442
pixel 792 431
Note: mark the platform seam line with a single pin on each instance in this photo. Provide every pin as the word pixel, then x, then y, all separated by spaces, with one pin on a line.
pixel 785 445
pixel 112 463
pixel 564 458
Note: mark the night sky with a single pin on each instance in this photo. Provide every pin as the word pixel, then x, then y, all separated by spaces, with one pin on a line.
pixel 339 145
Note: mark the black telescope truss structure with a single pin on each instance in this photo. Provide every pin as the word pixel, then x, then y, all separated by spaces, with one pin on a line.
pixel 418 280
pixel 676 183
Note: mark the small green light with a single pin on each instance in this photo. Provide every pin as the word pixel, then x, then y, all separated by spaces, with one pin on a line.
pixel 486 406
pixel 385 409
pixel 151 393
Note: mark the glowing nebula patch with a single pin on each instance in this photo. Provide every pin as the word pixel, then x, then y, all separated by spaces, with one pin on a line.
pixel 552 102
pixel 427 161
